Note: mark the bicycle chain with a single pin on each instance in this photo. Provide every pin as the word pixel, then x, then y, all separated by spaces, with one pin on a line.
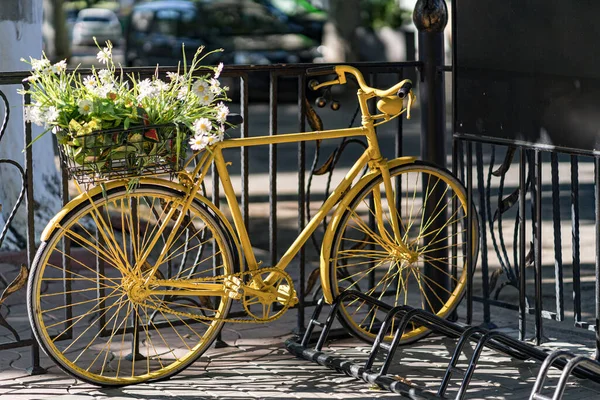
pixel 254 272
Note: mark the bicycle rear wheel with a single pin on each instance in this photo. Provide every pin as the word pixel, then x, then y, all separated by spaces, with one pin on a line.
pixel 87 307
pixel 364 255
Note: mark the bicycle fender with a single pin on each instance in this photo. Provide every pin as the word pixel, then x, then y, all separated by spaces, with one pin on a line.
pixel 54 223
pixel 334 222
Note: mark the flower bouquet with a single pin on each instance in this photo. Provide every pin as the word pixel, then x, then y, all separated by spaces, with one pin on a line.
pixel 110 125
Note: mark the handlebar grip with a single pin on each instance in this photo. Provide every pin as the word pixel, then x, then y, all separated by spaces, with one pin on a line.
pixel 321 71
pixel 404 90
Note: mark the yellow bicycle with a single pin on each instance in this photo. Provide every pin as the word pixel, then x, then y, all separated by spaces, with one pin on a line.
pixel 134 284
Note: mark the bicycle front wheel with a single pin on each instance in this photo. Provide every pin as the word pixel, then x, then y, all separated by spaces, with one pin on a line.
pixel 88 308
pixel 425 267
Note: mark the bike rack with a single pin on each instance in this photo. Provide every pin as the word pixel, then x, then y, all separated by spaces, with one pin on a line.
pixel 483 338
pixel 554 358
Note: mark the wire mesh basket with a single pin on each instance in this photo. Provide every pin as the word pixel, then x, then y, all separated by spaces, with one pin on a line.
pixel 119 153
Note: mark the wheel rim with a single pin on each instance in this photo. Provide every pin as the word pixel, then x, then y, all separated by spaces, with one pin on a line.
pixel 95 339
pixel 366 257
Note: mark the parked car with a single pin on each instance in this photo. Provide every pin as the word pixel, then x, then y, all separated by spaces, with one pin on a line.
pixel 301 15
pixel 100 23
pixel 248 31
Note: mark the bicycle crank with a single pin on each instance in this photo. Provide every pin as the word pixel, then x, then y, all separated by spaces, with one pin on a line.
pixel 262 301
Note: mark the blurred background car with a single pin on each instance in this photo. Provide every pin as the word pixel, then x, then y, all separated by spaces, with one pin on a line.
pixel 301 15
pixel 101 23
pixel 249 32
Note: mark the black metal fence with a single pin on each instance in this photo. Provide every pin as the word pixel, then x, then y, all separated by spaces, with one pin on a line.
pixel 540 213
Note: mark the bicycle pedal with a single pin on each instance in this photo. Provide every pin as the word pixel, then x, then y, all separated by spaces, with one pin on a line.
pixel 286 294
pixel 233 287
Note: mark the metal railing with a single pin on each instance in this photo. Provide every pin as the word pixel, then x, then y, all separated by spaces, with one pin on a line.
pixel 526 193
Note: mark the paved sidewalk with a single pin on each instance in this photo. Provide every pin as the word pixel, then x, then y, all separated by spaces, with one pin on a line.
pixel 256 365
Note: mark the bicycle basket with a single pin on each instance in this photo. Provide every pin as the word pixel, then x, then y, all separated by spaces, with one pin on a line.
pixel 121 153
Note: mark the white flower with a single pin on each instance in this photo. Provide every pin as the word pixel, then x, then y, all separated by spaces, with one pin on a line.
pixel 51 114
pixel 218 71
pixel 174 76
pixel 104 55
pixel 183 92
pixel 145 85
pixel 214 138
pixel 202 126
pixel 85 107
pixel 206 98
pixel 146 89
pixel 215 86
pixel 90 82
pixel 160 85
pixel 39 65
pixel 200 88
pixel 198 142
pixel 31 78
pixel 59 67
pixel 222 112
pixel 104 90
pixel 105 75
pixel 34 114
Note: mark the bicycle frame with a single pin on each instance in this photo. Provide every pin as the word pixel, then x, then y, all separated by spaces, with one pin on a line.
pixel 370 157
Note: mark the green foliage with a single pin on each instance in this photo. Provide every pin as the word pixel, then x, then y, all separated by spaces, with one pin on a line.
pixel 107 117
pixel 376 14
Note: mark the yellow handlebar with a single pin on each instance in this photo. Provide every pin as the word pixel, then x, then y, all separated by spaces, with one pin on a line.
pixel 342 70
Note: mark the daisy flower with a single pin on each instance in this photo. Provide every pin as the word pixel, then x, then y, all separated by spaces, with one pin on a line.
pixel 214 138
pixel 34 115
pixel 85 107
pixel 206 98
pixel 174 76
pixel 202 126
pixel 161 86
pixel 105 75
pixel 218 71
pixel 146 89
pixel 183 92
pixel 39 65
pixel 51 114
pixel 104 55
pixel 198 142
pixel 222 112
pixel 215 86
pixel 59 67
pixel 90 82
pixel 200 88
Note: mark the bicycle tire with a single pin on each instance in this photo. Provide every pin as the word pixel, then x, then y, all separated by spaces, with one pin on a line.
pixel 167 342
pixel 372 254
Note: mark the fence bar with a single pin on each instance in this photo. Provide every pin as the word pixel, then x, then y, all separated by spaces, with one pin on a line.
pixel 597 224
pixel 273 168
pixel 301 200
pixel 455 228
pixel 482 210
pixel 522 244
pixel 558 264
pixel 575 237
pixel 469 259
pixel 537 243
pixel 30 204
pixel 431 18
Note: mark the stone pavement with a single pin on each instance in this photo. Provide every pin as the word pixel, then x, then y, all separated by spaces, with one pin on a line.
pixel 255 364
